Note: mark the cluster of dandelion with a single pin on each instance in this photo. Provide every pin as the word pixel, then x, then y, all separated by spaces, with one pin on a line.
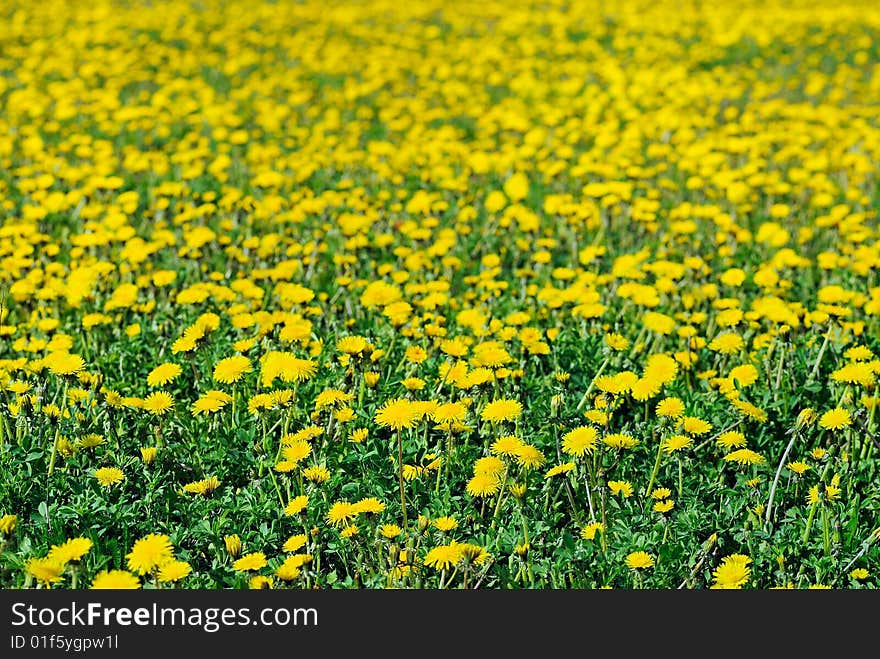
pixel 438 294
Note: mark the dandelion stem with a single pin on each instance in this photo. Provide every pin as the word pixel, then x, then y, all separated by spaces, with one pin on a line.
pixel 705 551
pixel 779 368
pixel 656 468
pixel 776 479
pixel 637 342
pixel 3 431
pixel 583 400
pixel 825 530
pixel 815 369
pixel 500 497
pixel 843 396
pixel 526 534
pixel 158 434
pixel 680 478
pixel 589 496
pixel 277 489
pixel 400 477
pixel 58 431
pixel 809 523
pixel 717 435
pixel 452 576
pixel 574 510
pixel 866 545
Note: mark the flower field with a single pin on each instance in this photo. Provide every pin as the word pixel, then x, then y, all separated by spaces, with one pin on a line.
pixel 439 294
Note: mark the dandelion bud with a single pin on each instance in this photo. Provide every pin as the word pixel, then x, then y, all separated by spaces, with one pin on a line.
pixel 64 447
pixel 7 524
pixel 148 454
pixel 260 583
pixel 711 542
pixel 806 417
pixel 53 413
pixel 518 490
pixel 371 378
pixel 233 545
pixel 522 550
pixel 470 553
pixel 424 522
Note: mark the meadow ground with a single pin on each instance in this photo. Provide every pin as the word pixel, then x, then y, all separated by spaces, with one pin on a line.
pixel 439 294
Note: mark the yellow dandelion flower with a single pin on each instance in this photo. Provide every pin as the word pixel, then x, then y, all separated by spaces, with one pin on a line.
pixel 670 408
pixel 590 530
pixel 620 441
pixel 70 551
pixel 443 557
pixel 623 488
pixel 390 531
pixel 744 456
pixel 639 560
pixel 676 443
pixel 232 369
pixel 341 513
pixel 663 506
pixel 731 439
pixel 115 580
pixel 149 552
pixel 316 474
pixel 158 403
pixel 8 524
pixel 204 487
pixel 397 414
pixel 46 571
pixel 835 419
pixel 368 506
pixel 483 485
pixel 444 523
pixel 694 426
pixel 559 469
pixel 733 572
pixel 580 441
pixel 296 505
pixel 163 374
pixel 108 476
pixel 501 410
pixel 507 446
pixel 173 571
pixel 253 561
